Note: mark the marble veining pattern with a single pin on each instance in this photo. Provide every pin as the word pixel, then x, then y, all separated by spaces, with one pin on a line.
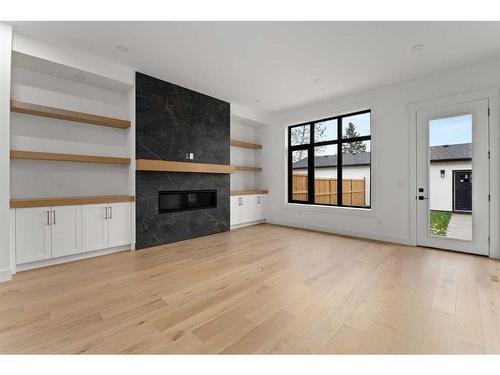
pixel 170 121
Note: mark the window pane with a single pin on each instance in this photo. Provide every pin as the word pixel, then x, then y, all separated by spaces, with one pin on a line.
pixel 300 135
pixel 356 161
pixel 450 177
pixel 325 131
pixel 325 174
pixel 299 175
pixel 356 126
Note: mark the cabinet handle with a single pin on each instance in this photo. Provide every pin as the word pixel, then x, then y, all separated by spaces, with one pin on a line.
pixel 54 217
pixel 110 212
pixel 48 217
pixel 105 213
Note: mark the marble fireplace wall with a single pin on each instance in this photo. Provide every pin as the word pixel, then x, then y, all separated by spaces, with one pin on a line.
pixel 170 122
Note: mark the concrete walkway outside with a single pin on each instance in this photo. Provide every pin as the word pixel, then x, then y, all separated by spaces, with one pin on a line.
pixel 460 227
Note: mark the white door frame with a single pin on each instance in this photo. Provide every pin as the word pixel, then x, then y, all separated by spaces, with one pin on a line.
pixel 492 95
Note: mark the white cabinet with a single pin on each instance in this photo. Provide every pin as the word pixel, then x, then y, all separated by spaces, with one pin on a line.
pixel 247 209
pixel 119 219
pixel 50 232
pixel 95 227
pixel 66 228
pixel 260 211
pixel 33 232
pixel 106 225
pixel 235 210
pixel 47 232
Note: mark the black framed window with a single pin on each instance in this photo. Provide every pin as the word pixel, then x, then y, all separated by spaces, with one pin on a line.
pixel 329 161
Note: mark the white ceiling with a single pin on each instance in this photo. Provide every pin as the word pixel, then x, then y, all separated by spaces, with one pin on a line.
pixel 277 63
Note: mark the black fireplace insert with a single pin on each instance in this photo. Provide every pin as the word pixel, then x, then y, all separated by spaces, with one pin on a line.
pixel 182 200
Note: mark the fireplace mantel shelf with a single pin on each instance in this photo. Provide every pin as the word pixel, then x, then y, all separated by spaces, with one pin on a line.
pixel 180 166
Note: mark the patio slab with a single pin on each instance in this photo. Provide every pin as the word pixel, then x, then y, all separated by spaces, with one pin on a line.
pixel 460 227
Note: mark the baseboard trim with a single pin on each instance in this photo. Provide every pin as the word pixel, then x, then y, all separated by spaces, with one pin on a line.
pixel 71 258
pixel 5 275
pixel 365 235
pixel 247 224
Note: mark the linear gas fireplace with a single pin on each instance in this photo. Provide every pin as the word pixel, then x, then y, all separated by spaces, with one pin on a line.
pixel 182 200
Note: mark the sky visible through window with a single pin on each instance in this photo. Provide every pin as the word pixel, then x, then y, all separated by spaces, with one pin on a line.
pixel 450 130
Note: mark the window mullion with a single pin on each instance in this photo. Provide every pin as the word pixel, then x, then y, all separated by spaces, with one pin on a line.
pixel 339 161
pixel 310 169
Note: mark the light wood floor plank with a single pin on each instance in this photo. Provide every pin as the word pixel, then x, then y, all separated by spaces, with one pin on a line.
pixel 260 289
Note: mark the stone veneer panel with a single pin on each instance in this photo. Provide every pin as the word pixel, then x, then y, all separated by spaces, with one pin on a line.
pixel 171 121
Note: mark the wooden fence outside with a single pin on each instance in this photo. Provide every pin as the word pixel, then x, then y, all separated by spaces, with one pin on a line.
pixel 325 190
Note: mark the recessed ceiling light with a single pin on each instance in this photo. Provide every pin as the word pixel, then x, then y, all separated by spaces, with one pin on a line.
pixel 417 47
pixel 122 48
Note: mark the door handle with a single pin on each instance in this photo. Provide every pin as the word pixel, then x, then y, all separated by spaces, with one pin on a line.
pixel 421 198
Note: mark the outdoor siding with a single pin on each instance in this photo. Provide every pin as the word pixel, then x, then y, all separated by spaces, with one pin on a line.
pixel 441 189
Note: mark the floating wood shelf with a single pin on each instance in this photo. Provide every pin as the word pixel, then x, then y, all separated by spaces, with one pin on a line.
pixel 34 155
pixel 247 169
pixel 242 144
pixel 69 201
pixel 248 192
pixel 179 166
pixel 64 114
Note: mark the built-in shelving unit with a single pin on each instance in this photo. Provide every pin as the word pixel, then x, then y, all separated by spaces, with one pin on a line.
pixel 246 196
pixel 64 114
pixel 247 169
pixel 36 155
pixel 179 166
pixel 69 201
pixel 241 144
pixel 247 192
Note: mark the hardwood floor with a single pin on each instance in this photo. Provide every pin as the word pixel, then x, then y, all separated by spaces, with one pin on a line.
pixel 261 289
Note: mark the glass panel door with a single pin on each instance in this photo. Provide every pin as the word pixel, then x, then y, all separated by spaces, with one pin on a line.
pixel 450 177
pixel 453 177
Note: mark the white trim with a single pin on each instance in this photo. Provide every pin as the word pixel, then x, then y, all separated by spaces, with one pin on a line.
pixel 492 94
pixel 5 275
pixel 12 223
pixel 238 226
pixel 351 233
pixel 494 146
pixel 71 258
pixel 344 210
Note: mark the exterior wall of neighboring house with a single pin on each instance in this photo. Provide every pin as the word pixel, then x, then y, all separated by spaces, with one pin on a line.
pixel 441 189
pixel 348 172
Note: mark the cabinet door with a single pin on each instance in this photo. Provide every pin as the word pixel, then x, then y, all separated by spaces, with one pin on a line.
pixel 119 220
pixel 95 234
pixel 235 210
pixel 32 234
pixel 261 207
pixel 66 230
pixel 248 209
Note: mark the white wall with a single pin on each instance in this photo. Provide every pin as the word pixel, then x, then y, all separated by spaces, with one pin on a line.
pixel 441 189
pixel 5 52
pixel 392 199
pixel 33 179
pixel 242 156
